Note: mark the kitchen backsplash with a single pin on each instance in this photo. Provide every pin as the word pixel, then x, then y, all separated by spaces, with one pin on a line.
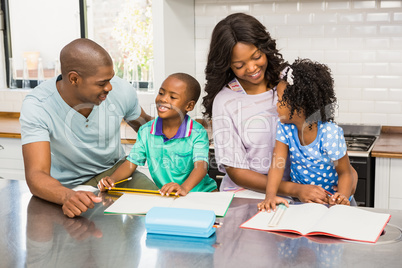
pixel 361 41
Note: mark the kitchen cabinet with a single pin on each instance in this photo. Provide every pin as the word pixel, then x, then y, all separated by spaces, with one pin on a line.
pixel 11 161
pixel 388 183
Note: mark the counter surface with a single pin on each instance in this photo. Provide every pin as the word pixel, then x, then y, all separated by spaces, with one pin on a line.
pixel 389 144
pixel 35 233
pixel 10 128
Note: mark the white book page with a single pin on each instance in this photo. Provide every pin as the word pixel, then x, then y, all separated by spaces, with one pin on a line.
pixel 138 203
pixel 216 201
pixel 298 218
pixel 352 223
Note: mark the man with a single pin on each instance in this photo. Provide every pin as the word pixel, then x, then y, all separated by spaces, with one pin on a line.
pixel 70 128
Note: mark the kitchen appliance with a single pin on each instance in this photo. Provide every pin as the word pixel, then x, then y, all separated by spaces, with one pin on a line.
pixel 360 140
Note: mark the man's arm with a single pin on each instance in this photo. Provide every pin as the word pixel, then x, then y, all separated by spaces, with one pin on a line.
pixel 37 161
pixel 142 119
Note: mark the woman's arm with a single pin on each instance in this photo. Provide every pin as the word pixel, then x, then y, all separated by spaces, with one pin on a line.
pixel 247 178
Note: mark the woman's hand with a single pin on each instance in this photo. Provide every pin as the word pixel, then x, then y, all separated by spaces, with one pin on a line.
pixel 312 194
pixel 341 199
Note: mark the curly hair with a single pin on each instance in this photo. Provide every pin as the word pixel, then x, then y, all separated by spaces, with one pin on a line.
pixel 312 92
pixel 235 28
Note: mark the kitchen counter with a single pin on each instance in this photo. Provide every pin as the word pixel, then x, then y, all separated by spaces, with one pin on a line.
pixel 35 232
pixel 389 143
pixel 10 128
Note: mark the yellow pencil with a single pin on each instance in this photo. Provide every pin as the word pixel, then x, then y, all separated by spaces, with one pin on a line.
pixel 122 181
pixel 130 190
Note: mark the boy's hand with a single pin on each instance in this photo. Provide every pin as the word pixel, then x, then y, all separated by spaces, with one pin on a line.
pixel 341 199
pixel 106 183
pixel 271 202
pixel 173 187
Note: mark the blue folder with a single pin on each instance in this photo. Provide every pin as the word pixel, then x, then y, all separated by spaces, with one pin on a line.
pixel 180 221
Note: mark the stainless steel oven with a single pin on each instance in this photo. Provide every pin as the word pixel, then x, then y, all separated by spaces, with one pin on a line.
pixel 360 140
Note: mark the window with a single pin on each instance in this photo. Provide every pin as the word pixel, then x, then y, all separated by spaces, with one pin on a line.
pixel 36 32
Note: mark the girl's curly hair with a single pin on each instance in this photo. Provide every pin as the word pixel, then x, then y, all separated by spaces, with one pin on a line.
pixel 312 92
pixel 235 28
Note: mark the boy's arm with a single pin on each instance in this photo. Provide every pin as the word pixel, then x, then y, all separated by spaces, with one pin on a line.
pixel 195 177
pixel 122 172
pixel 345 180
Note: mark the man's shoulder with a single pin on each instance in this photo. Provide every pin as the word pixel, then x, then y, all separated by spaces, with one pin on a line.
pixel 43 92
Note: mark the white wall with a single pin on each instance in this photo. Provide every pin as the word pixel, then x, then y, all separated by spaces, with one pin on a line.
pixel 360 40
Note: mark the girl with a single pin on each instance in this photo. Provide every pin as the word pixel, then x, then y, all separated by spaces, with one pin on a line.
pixel 306 131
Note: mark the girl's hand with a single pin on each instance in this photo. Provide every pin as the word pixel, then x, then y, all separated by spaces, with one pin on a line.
pixel 271 202
pixel 106 183
pixel 173 187
pixel 341 199
pixel 312 194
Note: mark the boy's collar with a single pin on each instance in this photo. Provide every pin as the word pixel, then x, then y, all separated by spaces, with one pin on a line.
pixel 183 131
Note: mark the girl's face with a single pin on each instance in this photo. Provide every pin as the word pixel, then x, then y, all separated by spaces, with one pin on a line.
pixel 248 64
pixel 282 108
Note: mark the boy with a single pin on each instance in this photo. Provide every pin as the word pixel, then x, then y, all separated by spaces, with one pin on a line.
pixel 175 146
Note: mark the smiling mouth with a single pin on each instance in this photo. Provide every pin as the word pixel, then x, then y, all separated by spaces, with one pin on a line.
pixel 103 97
pixel 256 74
pixel 163 108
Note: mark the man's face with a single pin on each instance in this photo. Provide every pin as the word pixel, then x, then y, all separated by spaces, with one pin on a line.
pixel 94 89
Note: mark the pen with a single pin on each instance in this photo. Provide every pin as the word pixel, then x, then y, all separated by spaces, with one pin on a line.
pixel 280 210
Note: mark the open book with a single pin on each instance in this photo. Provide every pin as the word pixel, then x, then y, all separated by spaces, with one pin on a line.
pixel 130 203
pixel 350 223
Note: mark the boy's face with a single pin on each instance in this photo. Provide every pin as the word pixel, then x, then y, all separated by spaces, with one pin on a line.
pixel 172 100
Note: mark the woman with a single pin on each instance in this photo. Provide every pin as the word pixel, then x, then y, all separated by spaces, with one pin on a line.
pixel 242 72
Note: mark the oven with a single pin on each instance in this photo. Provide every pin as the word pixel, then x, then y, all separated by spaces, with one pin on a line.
pixel 360 140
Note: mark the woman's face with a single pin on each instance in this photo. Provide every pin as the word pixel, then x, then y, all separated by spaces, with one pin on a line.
pixel 248 64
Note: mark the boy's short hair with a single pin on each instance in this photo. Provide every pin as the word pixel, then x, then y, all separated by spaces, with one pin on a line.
pixel 193 88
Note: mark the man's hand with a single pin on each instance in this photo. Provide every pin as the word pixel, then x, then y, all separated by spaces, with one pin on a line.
pixel 79 202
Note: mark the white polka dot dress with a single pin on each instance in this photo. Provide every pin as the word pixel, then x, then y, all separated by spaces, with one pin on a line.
pixel 314 163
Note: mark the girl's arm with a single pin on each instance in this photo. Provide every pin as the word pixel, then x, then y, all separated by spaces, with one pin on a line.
pixel 345 180
pixel 122 172
pixel 195 177
pixel 275 175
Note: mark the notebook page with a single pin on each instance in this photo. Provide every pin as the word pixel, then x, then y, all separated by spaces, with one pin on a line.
pixel 353 223
pixel 138 203
pixel 297 218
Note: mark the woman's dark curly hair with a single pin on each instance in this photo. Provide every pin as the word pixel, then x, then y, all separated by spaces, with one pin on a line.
pixel 312 92
pixel 235 28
